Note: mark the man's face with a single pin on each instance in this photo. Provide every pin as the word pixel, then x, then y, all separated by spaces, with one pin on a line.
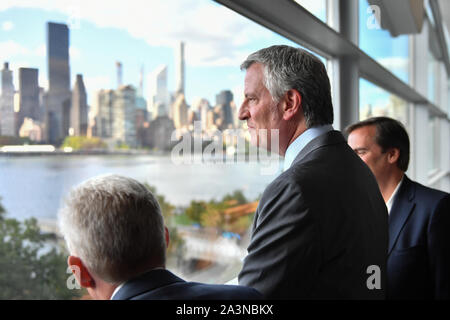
pixel 362 141
pixel 258 108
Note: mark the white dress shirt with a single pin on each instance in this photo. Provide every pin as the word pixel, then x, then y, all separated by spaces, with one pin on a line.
pixel 390 202
pixel 301 141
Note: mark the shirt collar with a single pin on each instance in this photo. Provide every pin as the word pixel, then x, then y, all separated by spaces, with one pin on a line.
pixel 301 141
pixel 123 283
pixel 390 202
pixel 117 290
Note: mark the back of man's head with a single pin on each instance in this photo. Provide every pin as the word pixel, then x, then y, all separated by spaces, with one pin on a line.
pixel 287 68
pixel 114 224
pixel 390 133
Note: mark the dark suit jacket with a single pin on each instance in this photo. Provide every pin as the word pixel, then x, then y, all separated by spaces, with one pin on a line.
pixel 161 284
pixel 419 243
pixel 318 227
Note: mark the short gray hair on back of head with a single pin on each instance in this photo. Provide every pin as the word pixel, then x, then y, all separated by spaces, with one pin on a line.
pixel 115 226
pixel 287 68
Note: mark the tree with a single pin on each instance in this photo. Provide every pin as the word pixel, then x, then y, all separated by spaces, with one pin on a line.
pixel 195 210
pixel 2 211
pixel 83 143
pixel 30 267
pixel 213 215
pixel 176 242
pixel 237 195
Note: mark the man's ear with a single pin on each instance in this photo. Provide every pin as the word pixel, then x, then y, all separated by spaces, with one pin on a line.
pixel 166 232
pixel 393 155
pixel 81 273
pixel 292 104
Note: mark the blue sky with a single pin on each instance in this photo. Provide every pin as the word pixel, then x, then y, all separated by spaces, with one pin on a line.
pixel 142 32
pixel 390 52
pixel 136 33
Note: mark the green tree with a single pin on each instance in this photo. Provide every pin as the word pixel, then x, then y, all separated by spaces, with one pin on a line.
pixel 236 195
pixel 213 215
pixel 83 143
pixel 196 209
pixel 30 267
pixel 176 242
pixel 166 208
pixel 122 146
pixel 2 210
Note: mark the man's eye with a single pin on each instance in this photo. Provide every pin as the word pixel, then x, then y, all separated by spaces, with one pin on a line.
pixel 360 152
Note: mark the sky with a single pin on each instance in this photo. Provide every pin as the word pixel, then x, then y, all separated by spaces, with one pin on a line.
pixel 136 33
pixel 144 33
pixel 392 53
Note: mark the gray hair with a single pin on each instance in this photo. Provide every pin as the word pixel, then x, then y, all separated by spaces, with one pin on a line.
pixel 287 68
pixel 115 226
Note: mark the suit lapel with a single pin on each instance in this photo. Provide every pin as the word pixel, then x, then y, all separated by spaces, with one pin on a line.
pixel 401 209
pixel 146 282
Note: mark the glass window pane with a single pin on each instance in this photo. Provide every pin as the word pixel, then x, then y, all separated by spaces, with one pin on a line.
pixel 375 101
pixel 136 86
pixel 433 78
pixel 316 7
pixel 448 98
pixel 433 143
pixel 390 52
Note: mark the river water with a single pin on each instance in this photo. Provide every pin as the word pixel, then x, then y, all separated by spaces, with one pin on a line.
pixel 35 186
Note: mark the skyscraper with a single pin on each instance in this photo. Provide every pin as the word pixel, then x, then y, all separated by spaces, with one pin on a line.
pixel 119 73
pixel 224 99
pixel 124 116
pixel 179 62
pixel 7 102
pixel 180 112
pixel 59 80
pixel 201 107
pixel 159 95
pixel 28 96
pixel 78 113
pixel 104 117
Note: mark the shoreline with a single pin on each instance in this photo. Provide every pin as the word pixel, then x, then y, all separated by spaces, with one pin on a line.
pixel 84 153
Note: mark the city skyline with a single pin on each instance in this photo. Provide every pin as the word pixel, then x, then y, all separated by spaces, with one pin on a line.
pixel 211 60
pixel 215 47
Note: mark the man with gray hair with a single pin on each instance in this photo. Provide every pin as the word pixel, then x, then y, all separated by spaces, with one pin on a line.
pixel 320 229
pixel 115 233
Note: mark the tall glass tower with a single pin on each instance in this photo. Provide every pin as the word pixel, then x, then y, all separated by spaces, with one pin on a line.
pixel 7 125
pixel 179 56
pixel 59 81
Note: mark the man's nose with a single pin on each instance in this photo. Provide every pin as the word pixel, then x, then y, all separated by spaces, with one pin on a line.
pixel 243 112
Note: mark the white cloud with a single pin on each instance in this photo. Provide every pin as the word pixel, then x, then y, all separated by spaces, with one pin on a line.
pixel 7 26
pixel 394 63
pixel 96 83
pixel 41 51
pixel 43 81
pixel 10 49
pixel 74 53
pixel 214 35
